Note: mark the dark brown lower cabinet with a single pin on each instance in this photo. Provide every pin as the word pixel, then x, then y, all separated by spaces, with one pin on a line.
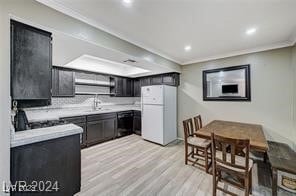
pixel 109 126
pixel 83 139
pixel 137 123
pixel 101 127
pixel 51 167
pixel 95 132
pixel 81 122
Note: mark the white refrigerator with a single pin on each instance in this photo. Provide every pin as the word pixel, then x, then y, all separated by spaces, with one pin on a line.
pixel 159 113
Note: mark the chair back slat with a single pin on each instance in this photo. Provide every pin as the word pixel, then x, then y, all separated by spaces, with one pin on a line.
pixel 197 122
pixel 232 151
pixel 224 153
pixel 228 147
pixel 188 128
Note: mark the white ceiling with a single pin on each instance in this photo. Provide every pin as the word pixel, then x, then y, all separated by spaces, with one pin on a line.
pixel 214 28
pixel 70 52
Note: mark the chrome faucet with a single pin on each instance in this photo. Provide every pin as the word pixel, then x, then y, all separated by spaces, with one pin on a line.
pixel 97 103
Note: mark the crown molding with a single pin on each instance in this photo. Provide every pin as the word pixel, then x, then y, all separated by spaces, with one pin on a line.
pixel 242 52
pixel 70 12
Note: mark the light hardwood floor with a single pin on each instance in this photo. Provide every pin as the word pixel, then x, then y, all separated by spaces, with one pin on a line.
pixel 133 166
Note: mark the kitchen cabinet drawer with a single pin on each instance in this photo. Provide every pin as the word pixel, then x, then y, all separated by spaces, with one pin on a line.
pixel 75 119
pixel 98 117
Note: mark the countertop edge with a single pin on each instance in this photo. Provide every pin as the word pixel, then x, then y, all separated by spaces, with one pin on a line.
pixel 43 134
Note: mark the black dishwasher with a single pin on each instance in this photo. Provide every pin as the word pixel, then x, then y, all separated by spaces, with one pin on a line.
pixel 124 123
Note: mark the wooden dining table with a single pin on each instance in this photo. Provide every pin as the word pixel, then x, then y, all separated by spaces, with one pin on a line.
pixel 239 130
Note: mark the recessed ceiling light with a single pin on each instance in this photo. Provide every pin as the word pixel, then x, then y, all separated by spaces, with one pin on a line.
pixel 251 31
pixel 187 48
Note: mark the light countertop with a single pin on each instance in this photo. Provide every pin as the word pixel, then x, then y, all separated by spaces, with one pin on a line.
pixel 41 115
pixel 21 138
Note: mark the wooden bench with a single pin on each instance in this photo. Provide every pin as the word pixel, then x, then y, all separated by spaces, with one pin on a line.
pixel 282 158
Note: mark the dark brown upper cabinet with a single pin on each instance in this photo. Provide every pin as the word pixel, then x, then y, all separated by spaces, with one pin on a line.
pixel 137 88
pixel 145 81
pixel 123 87
pixel 127 87
pixel 63 82
pixel 156 80
pixel 172 79
pixel 227 84
pixel 31 63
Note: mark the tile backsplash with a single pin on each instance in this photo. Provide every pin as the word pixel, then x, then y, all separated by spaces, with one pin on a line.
pixel 88 100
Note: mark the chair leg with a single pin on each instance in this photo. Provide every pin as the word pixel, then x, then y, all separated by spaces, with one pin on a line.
pixel 214 183
pixel 250 181
pixel 247 185
pixel 186 154
pixel 192 152
pixel 206 160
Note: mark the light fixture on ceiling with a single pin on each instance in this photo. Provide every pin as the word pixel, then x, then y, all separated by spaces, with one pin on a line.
pixel 187 48
pixel 130 61
pixel 251 31
pixel 127 2
pixel 99 65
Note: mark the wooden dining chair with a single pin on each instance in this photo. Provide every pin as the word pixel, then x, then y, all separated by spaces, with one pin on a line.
pixel 198 125
pixel 197 122
pixel 230 168
pixel 193 142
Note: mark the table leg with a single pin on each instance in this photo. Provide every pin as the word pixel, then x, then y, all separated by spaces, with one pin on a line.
pixel 274 182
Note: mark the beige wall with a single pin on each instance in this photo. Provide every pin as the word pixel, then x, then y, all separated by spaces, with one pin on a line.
pixel 4 99
pixel 272 94
pixel 294 88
